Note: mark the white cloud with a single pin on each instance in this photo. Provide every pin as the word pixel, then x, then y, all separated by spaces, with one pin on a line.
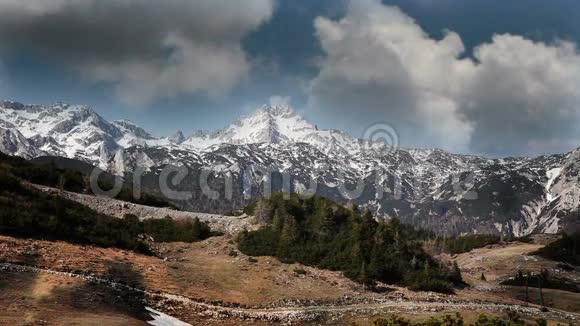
pixel 207 68
pixel 381 66
pixel 524 94
pixel 146 48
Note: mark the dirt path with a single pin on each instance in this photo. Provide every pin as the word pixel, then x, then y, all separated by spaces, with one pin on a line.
pixel 171 302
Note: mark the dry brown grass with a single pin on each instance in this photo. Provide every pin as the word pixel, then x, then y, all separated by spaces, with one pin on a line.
pixel 198 270
pixel 498 261
pixel 45 299
pixel 203 270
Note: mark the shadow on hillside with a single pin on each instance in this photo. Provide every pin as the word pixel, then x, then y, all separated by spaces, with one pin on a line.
pixel 98 298
pixel 21 281
pixel 17 286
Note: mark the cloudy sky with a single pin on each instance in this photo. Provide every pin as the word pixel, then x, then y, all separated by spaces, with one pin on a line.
pixel 491 77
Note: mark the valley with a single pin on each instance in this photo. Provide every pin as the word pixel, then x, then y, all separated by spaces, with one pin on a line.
pixel 201 283
pixel 212 283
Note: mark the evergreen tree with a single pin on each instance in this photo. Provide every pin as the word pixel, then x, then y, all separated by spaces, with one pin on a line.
pixel 288 237
pixel 315 231
pixel 277 221
pixel 356 256
pixel 325 216
pixel 363 276
pixel 263 211
pixel 196 228
pixel 456 274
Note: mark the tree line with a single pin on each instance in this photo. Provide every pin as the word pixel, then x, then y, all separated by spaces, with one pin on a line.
pixel 318 232
pixel 460 244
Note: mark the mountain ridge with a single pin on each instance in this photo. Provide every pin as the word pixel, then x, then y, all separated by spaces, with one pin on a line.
pixel 432 188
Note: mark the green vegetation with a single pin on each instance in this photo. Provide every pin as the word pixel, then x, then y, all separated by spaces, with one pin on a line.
pixel 541 280
pixel 525 239
pixel 48 174
pixel 45 174
pixel 512 319
pixel 566 249
pixel 27 212
pixel 300 271
pixel 465 243
pixel 30 213
pixel 170 230
pixel 318 232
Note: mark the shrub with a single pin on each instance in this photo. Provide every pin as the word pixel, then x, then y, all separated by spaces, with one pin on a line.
pixel 48 174
pixel 169 230
pixel 300 271
pixel 9 182
pixel 543 279
pixel 30 213
pixel 511 319
pixel 469 242
pixel 566 249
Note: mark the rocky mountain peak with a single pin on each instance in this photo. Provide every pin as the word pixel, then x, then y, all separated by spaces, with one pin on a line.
pixel 131 127
pixel 177 138
pixel 11 105
pixel 268 124
pixel 276 110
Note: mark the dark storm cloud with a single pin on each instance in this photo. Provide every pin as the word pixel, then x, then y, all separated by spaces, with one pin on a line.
pixel 168 41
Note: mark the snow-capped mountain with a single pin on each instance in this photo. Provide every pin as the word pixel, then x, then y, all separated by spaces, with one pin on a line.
pixel 432 188
pixel 277 124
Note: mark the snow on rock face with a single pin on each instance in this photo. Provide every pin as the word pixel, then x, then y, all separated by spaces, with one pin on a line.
pixel 427 187
pixel 552 176
pixel 128 127
pixel 14 143
pixel 177 138
pixel 70 130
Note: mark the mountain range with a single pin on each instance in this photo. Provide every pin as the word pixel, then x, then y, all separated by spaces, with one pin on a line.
pixel 431 188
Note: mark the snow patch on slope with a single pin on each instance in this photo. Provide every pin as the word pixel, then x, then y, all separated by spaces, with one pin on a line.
pixel 161 319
